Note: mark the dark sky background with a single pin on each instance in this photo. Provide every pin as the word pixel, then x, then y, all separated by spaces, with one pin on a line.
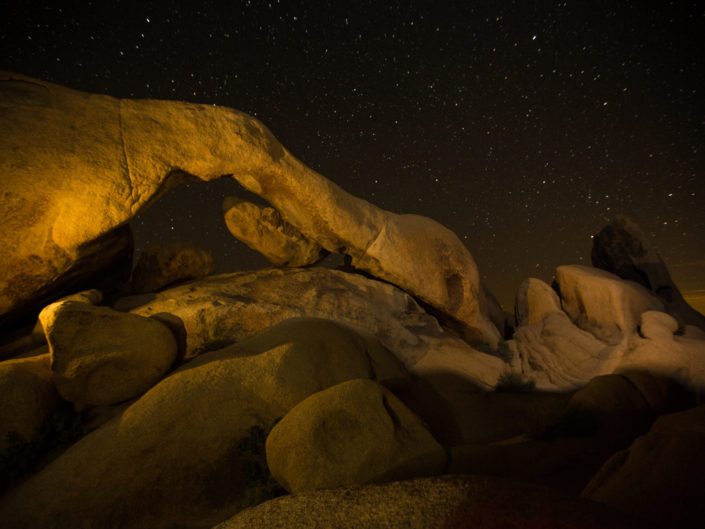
pixel 522 126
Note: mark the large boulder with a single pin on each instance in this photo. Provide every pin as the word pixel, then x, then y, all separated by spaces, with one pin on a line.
pixel 28 397
pixel 353 433
pixel 183 454
pixel 265 231
pixel 446 502
pixel 226 308
pixel 623 248
pixel 534 300
pixel 82 165
pixel 659 477
pixel 159 266
pixel 602 303
pixel 101 356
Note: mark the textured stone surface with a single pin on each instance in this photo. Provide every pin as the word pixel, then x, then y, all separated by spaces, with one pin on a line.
pixel 222 309
pixel 101 356
pixel 447 502
pixel 602 303
pixel 353 433
pixel 114 157
pixel 534 300
pixel 176 457
pixel 623 248
pixel 659 477
pixel 264 230
pixel 160 266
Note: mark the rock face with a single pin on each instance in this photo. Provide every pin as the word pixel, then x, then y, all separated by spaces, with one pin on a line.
pixel 353 433
pixel 160 266
pixel 601 303
pixel 659 477
pixel 179 456
pixel 264 230
pixel 447 502
pixel 534 300
pixel 28 397
pixel 226 308
pixel 623 249
pixel 102 152
pixel 100 356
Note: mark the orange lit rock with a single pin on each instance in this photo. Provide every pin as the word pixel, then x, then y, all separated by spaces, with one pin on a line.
pixel 101 356
pixel 534 300
pixel 181 455
pixel 226 308
pixel 353 433
pixel 114 157
pixel 602 303
pixel 160 266
pixel 264 230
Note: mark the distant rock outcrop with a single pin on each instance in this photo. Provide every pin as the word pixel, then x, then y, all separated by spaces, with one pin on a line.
pixel 186 453
pixel 353 433
pixel 623 249
pixel 100 356
pixel 114 157
pixel 160 266
pixel 265 231
pixel 446 502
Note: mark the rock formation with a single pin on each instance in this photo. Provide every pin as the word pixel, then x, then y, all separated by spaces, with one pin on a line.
pixel 223 309
pixel 264 230
pixel 179 456
pixel 160 266
pixel 100 356
pixel 102 151
pixel 623 249
pixel 353 433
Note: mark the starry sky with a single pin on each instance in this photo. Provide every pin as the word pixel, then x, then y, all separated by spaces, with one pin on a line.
pixel 523 126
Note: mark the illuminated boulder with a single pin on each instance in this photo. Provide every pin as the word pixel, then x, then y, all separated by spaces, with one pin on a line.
pixel 226 308
pixel 83 165
pixel 353 433
pixel 160 266
pixel 602 303
pixel 265 231
pixel 186 454
pixel 101 356
pixel 534 300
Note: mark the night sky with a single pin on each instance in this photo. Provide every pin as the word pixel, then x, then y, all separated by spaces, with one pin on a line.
pixel 522 126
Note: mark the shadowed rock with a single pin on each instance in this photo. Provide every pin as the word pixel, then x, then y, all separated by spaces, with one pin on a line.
pixel 623 249
pixel 159 266
pixel 446 502
pixel 114 157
